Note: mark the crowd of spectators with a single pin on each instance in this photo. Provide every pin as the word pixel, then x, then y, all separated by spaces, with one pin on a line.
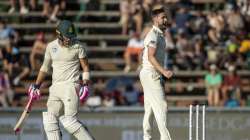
pixel 212 40
pixel 50 9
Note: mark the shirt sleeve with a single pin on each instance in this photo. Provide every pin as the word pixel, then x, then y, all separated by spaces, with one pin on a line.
pixel 151 40
pixel 82 52
pixel 207 78
pixel 47 61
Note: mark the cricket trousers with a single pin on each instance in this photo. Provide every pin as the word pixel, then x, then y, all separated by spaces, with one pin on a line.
pixel 63 104
pixel 154 104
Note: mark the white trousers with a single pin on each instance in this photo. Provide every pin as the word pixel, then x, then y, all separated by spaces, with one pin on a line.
pixel 63 99
pixel 154 104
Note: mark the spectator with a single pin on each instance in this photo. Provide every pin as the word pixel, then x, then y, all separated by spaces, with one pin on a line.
pixel 136 13
pixel 37 52
pixel 95 99
pixel 131 10
pixel 231 86
pixel 134 48
pixel 198 25
pixel 131 96
pixel 23 69
pixel 10 58
pixel 184 51
pixel 125 14
pixel 212 55
pixel 182 18
pixel 108 101
pixel 147 7
pixel 169 56
pixel 245 50
pixel 8 36
pixel 199 52
pixel 235 21
pixel 6 93
pixel 213 81
pixel 119 99
pixel 216 24
pixel 231 102
pixel 16 64
pixel 23 9
pixel 244 6
pixel 47 9
pixel 33 5
pixel 230 54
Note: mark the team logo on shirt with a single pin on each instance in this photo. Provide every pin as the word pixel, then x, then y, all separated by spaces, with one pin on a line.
pixel 54 50
pixel 152 43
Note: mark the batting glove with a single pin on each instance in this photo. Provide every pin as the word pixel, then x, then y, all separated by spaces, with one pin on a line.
pixel 34 92
pixel 83 93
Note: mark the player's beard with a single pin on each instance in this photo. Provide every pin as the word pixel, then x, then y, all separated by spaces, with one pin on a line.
pixel 163 26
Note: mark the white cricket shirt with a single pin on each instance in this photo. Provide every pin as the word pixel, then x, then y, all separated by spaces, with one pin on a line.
pixel 64 61
pixel 154 38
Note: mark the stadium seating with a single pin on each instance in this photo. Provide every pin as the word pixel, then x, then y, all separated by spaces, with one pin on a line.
pixel 100 31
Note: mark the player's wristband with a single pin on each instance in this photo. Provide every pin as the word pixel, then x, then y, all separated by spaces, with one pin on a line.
pixel 85 76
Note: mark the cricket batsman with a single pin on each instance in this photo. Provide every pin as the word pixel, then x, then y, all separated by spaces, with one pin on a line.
pixel 152 75
pixel 64 56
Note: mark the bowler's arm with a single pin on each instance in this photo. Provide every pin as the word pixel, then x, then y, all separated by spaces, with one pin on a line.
pixel 153 61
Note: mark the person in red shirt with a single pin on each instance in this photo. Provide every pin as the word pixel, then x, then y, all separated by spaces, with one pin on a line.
pixel 231 85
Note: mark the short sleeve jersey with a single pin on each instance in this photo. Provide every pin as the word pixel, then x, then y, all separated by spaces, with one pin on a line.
pixel 155 38
pixel 213 79
pixel 64 61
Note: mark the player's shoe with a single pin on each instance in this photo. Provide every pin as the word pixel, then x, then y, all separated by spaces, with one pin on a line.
pixel 12 10
pixel 24 10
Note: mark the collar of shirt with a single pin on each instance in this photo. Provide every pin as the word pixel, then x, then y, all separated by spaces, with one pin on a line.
pixel 158 30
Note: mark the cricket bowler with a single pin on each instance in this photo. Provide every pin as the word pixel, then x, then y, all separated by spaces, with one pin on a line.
pixel 64 56
pixel 151 76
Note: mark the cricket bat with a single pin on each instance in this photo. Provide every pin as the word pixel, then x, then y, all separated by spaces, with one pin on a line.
pixel 23 117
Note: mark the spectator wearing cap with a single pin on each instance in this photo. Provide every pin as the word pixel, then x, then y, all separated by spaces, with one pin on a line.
pixel 213 81
pixel 134 48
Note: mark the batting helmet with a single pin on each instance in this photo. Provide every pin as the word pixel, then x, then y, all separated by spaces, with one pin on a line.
pixel 66 32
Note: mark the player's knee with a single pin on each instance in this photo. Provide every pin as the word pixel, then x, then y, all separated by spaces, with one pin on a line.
pixel 70 123
pixel 50 122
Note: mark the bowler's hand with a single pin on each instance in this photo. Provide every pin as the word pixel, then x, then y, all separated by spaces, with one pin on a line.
pixel 168 74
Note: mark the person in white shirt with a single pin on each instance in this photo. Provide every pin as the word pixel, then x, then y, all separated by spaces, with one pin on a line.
pixel 152 76
pixel 134 48
pixel 64 55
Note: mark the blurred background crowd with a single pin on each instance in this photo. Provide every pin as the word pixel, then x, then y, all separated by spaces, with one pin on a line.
pixel 208 48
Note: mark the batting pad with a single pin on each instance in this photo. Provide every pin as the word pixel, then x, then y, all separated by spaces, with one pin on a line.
pixel 51 126
pixel 70 123
pixel 73 126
